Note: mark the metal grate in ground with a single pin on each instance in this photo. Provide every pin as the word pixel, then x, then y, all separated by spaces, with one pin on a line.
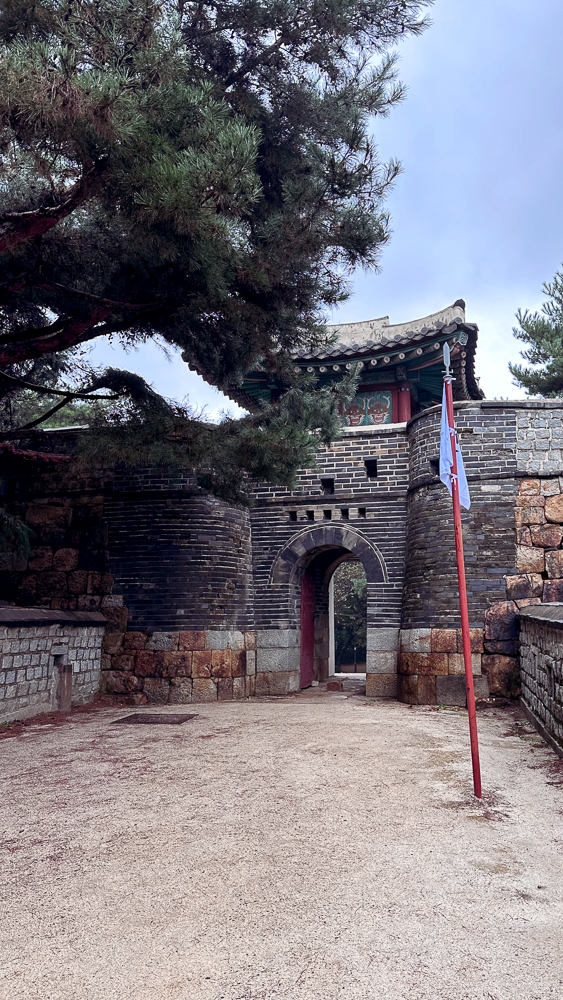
pixel 152 719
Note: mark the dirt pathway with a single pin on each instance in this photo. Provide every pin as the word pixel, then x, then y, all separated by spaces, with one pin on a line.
pixel 307 848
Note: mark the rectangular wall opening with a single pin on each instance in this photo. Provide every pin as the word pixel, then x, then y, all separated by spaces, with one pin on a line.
pixel 327 486
pixel 371 467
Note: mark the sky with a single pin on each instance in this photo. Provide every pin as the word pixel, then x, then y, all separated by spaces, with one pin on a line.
pixel 477 213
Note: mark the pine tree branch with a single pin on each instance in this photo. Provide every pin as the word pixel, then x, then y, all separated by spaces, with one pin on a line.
pixel 68 394
pixel 90 297
pixel 252 64
pixel 19 227
pixel 52 339
pixel 44 416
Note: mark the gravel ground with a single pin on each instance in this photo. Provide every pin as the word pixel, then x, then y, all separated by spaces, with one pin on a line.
pixel 308 848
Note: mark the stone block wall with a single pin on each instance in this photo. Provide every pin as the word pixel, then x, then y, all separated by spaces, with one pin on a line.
pixel 68 568
pixel 539 533
pixel 278 653
pixel 35 647
pixel 431 666
pixel 541 669
pixel 538 577
pixel 176 667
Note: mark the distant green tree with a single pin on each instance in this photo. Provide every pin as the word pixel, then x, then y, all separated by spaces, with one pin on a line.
pixel 543 331
pixel 350 613
pixel 201 172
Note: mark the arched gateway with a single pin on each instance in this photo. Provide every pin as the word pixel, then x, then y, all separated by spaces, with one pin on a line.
pixel 306 565
pixel 298 586
pixel 306 544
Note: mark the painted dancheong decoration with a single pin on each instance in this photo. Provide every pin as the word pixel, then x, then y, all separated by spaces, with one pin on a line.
pixel 368 409
pixel 400 367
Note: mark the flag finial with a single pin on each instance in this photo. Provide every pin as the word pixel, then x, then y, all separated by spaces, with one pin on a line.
pixel 446 350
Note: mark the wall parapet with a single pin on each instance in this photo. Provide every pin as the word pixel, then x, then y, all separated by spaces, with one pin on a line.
pixel 48 660
pixel 541 669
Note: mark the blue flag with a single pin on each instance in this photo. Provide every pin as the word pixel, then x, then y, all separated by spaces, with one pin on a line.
pixel 446 458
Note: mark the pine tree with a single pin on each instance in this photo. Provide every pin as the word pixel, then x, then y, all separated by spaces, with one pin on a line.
pixel 350 613
pixel 200 172
pixel 544 332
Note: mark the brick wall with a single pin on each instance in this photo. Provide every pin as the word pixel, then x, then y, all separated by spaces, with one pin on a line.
pixel 36 647
pixel 488 442
pixel 374 508
pixel 180 559
pixel 164 561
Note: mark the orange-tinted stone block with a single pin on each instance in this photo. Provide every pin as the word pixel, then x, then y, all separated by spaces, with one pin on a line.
pixel 408 689
pixel 426 690
pixel 225 689
pixel 443 640
pixel 238 662
pixel 476 636
pixel 176 664
pixel 220 662
pixel 428 664
pixel 191 640
pixel 145 663
pixel 134 640
pixel 201 663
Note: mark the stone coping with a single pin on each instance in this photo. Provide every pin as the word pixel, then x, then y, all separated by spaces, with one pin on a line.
pixel 16 617
pixel 494 404
pixel 373 429
pixel 548 614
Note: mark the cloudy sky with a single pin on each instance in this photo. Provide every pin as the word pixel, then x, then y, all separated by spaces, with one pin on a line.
pixel 478 211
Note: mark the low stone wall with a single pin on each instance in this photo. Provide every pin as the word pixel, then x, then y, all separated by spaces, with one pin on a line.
pixel 175 667
pixel 541 669
pixel 48 660
pixel 431 666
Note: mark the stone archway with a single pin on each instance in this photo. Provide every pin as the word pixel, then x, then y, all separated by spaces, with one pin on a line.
pixel 305 565
pixel 292 560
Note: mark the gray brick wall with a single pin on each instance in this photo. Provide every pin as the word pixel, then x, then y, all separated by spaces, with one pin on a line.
pixel 375 508
pixel 181 560
pixel 489 434
pixel 540 437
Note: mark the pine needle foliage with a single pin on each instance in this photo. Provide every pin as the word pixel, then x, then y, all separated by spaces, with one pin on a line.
pixel 543 331
pixel 350 613
pixel 15 536
pixel 227 458
pixel 201 172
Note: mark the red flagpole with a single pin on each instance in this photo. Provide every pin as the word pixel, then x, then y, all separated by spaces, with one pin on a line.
pixel 463 598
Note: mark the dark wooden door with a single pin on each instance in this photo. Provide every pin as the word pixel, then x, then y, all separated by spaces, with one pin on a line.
pixel 307 629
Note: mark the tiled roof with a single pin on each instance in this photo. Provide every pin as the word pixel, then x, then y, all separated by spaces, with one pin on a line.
pixel 389 345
